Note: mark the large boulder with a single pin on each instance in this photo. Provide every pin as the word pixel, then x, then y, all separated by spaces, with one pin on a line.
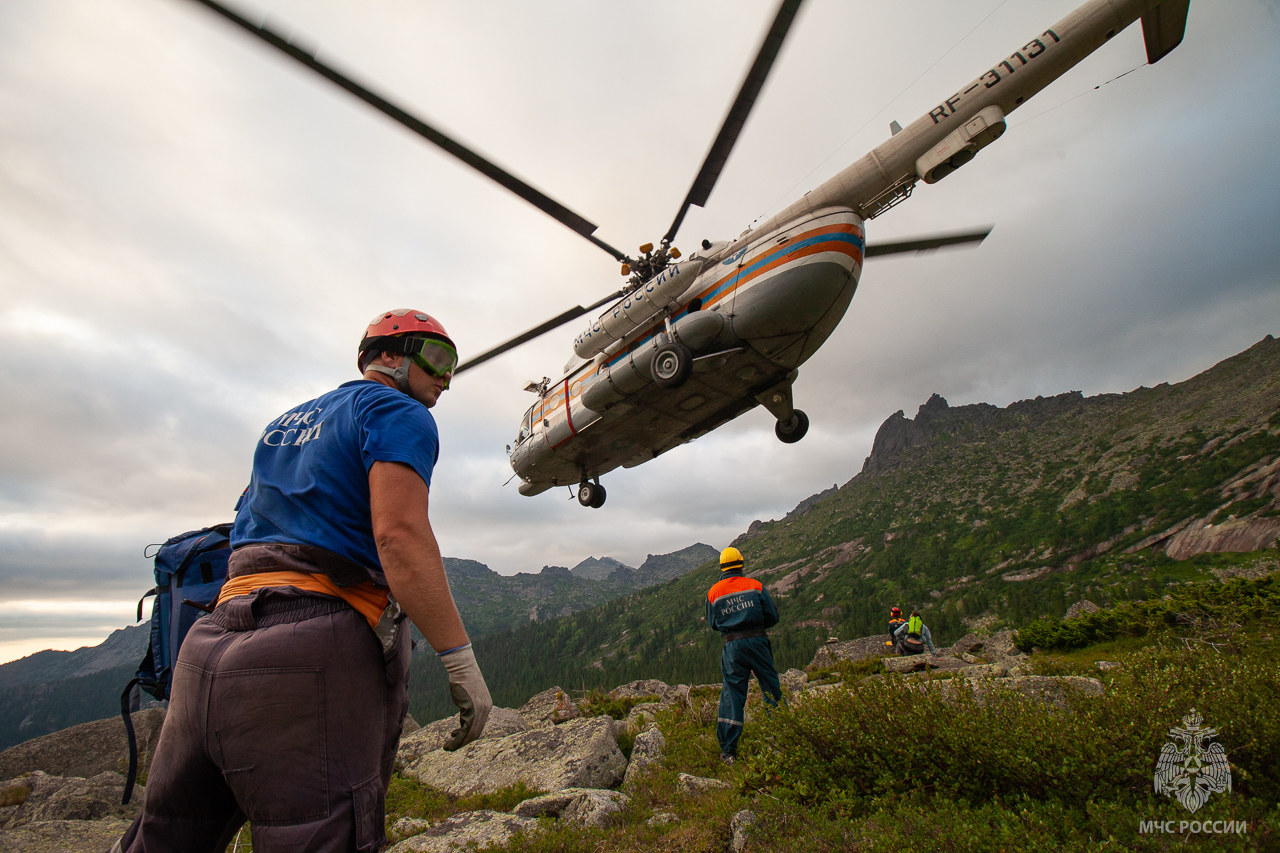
pixel 850 650
pixel 464 831
pixel 40 797
pixel 1083 607
pixel 63 836
pixel 577 754
pixel 649 749
pixel 549 706
pixel 87 749
pixel 647 687
pixel 432 736
pixel 583 806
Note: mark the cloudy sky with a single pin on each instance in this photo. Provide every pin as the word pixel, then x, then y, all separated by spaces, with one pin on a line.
pixel 193 232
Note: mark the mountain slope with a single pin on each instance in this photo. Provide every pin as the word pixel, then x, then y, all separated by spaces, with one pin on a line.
pixel 976 515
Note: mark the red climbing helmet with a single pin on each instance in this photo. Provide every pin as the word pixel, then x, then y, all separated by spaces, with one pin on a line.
pixel 386 327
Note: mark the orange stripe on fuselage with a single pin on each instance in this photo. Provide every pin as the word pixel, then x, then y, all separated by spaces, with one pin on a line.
pixel 820 248
pixel 729 586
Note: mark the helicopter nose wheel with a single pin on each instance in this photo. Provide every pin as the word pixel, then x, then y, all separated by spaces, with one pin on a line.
pixel 793 429
pixel 672 365
pixel 591 494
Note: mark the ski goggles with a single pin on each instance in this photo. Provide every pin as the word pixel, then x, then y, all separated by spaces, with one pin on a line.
pixel 435 356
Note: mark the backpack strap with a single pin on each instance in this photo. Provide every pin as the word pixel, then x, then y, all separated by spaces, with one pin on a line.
pixel 127 716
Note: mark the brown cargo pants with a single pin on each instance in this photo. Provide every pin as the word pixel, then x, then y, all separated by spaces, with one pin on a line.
pixel 286 711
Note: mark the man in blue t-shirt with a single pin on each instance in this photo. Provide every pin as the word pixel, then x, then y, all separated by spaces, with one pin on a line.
pixel 287 702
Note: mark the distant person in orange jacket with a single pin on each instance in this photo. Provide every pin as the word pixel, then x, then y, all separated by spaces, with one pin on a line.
pixel 895 619
pixel 740 608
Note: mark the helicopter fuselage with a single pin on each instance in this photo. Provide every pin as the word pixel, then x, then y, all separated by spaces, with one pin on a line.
pixel 758 308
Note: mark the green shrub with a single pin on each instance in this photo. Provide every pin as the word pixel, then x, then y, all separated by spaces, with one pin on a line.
pixel 852 747
pixel 1251 602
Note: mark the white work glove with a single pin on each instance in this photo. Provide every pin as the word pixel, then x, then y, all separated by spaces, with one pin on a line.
pixel 469 693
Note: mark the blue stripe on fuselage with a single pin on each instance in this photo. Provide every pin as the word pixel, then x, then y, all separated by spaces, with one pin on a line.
pixel 747 270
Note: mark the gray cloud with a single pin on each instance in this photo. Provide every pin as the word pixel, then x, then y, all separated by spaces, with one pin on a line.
pixel 192 234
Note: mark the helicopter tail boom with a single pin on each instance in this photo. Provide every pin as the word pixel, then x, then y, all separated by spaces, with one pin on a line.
pixel 949 135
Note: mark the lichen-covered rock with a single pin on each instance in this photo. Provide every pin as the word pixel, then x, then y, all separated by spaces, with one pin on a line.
pixel 407 827
pixel 58 798
pixel 549 706
pixel 87 749
pixel 693 786
pixel 583 806
pixel 577 754
pixel 740 827
pixel 661 819
pixel 793 679
pixel 1083 607
pixel 642 716
pixel 1106 665
pixel 646 687
pixel 649 749
pixel 460 832
pixel 850 650
pixel 409 726
pixel 63 836
pixel 432 736
pixel 908 663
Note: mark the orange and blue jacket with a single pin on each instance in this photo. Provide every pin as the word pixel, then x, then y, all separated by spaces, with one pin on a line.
pixel 737 603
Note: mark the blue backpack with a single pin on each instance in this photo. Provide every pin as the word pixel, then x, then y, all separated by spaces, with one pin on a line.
pixel 190 571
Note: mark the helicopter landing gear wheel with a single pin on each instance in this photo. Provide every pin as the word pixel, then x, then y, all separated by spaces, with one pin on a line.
pixel 672 365
pixel 591 494
pixel 791 431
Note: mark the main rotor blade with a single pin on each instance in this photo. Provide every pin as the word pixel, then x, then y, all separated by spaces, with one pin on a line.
pixel 573 313
pixel 737 117
pixel 924 244
pixel 486 167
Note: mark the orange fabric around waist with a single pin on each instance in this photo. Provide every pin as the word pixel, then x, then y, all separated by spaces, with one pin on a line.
pixel 368 599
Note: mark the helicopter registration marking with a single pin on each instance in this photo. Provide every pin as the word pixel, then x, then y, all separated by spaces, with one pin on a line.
pixel 989 79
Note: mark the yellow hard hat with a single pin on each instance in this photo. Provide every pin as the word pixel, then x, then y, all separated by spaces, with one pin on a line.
pixel 730 559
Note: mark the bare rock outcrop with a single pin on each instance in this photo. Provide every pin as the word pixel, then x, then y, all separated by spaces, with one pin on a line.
pixel 549 706
pixel 464 831
pixel 87 749
pixel 576 754
pixel 583 806
pixel 1236 534
pixel 432 736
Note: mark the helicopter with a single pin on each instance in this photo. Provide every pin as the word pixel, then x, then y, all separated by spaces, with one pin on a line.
pixel 692 342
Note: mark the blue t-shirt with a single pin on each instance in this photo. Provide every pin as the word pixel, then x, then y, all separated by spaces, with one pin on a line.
pixel 310 482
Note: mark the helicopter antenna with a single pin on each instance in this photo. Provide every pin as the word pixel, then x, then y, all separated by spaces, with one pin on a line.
pixel 557 211
pixel 737 117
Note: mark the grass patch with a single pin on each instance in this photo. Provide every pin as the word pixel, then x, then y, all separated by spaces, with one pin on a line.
pixel 598 704
pixel 408 797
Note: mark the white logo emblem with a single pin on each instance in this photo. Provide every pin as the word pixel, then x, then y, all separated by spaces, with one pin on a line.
pixel 1188 769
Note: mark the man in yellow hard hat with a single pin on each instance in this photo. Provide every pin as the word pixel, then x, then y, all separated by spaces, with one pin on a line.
pixel 740 609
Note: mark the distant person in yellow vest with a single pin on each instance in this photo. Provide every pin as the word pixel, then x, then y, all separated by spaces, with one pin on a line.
pixel 740 608
pixel 913 636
